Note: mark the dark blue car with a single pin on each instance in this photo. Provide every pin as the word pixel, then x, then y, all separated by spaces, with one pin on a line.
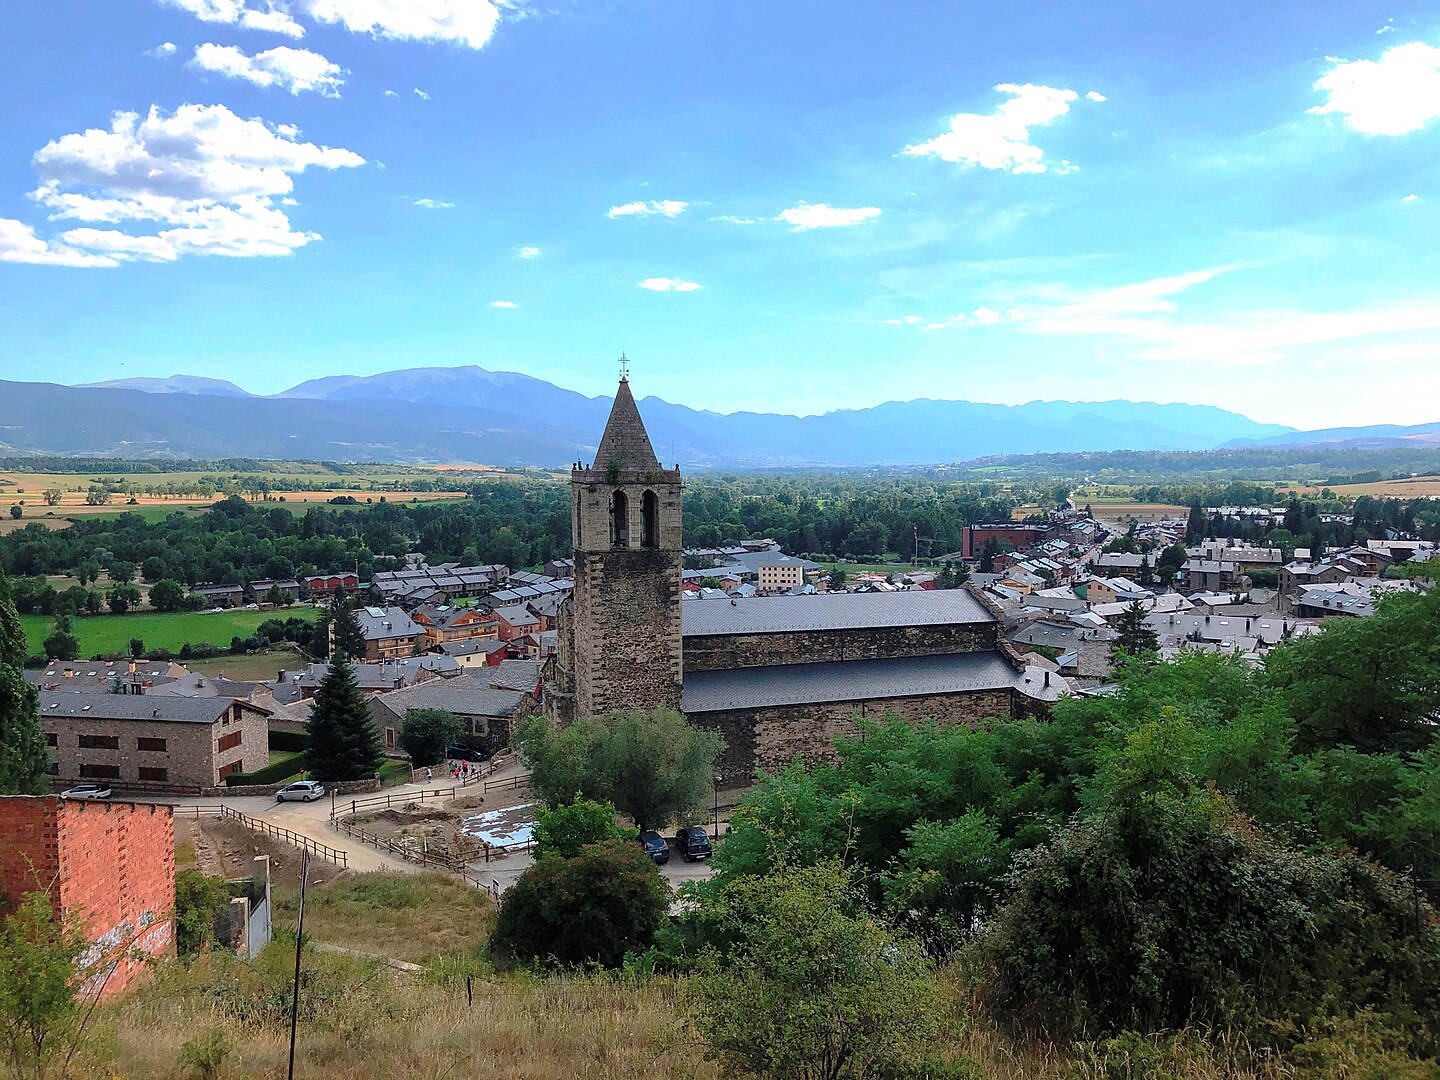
pixel 655 846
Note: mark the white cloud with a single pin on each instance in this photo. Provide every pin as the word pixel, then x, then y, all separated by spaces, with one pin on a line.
pixel 735 220
pixel 19 244
pixel 1001 140
pixel 906 320
pixel 421 94
pixel 819 216
pixel 391 93
pixel 503 304
pixel 270 17
pixel 434 204
pixel 1388 28
pixel 1410 198
pixel 1396 94
pixel 1095 95
pixel 666 207
pixel 527 252
pixel 165 48
pixel 467 23
pixel 667 284
pixel 295 70
pixel 210 179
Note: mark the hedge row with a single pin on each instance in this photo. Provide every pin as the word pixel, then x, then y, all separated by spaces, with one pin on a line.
pixel 273 773
pixel 294 741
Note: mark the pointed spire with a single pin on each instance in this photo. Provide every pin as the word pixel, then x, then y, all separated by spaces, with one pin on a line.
pixel 625 445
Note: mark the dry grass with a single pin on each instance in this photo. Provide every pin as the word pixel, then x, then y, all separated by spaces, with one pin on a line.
pixel 359 1020
pixel 420 918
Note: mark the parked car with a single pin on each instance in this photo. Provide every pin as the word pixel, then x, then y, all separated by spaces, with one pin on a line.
pixel 300 791
pixel 87 791
pixel 455 752
pixel 655 846
pixel 693 842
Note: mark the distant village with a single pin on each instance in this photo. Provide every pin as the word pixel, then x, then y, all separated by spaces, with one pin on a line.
pixel 473 639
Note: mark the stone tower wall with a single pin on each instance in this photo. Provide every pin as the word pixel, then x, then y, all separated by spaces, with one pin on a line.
pixel 622 630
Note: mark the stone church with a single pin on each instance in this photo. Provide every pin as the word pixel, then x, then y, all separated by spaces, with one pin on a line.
pixel 778 677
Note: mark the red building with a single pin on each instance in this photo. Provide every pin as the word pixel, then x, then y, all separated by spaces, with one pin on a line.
pixel 109 864
pixel 973 538
pixel 327 584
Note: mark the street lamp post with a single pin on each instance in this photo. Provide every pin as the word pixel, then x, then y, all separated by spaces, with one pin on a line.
pixel 718 778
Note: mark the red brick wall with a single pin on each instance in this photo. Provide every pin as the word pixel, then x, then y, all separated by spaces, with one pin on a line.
pixel 112 866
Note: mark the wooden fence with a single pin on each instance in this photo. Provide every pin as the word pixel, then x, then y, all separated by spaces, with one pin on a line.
pixel 278 832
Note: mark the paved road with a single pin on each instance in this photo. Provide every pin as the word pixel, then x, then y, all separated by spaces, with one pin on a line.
pixel 313 820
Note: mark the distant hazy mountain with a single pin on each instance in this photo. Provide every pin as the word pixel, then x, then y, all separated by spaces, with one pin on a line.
pixel 469 414
pixel 1374 437
pixel 175 384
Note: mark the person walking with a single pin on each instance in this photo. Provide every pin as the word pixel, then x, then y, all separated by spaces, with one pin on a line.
pixel 428 775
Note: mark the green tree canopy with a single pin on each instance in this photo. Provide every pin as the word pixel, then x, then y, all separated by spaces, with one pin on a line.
pixel 650 764
pixel 62 644
pixel 13 649
pixel 426 733
pixel 1134 636
pixel 564 830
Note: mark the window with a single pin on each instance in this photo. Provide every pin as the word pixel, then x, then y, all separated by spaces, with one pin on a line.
pixel 155 745
pixel 51 739
pixel 54 769
pixel 389 738
pixel 229 742
pixel 101 772
pixel 619 520
pixel 99 742
pixel 226 770
pixel 158 776
pixel 649 520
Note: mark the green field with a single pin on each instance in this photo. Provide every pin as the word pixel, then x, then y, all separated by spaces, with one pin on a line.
pixel 109 635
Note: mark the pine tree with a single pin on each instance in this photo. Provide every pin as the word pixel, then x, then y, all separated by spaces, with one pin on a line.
pixel 1195 527
pixel 1136 636
pixel 345 635
pixel 24 759
pixel 342 741
pixel 12 636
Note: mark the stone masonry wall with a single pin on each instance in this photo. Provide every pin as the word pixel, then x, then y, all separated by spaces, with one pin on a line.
pixel 725 651
pixel 112 865
pixel 626 630
pixel 191 754
pixel 770 738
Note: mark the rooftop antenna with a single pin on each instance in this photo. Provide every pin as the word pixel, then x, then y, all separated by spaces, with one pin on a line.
pixel 624 368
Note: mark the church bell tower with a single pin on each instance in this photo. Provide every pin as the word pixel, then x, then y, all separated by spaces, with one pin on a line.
pixel 623 639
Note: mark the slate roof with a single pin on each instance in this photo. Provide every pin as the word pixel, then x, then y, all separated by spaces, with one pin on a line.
pixel 515 674
pixel 182 710
pixel 625 444
pixel 850 680
pixel 464 695
pixel 470 646
pixel 382 624
pixel 834 611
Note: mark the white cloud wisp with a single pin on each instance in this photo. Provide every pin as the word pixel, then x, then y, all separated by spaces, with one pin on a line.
pixel 1001 140
pixel 271 17
pixel 820 216
pixel 666 284
pixel 467 24
pixel 295 70
pixel 215 183
pixel 664 207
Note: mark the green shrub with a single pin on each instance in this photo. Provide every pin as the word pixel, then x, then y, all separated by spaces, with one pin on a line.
pixel 591 909
pixel 278 770
pixel 1167 915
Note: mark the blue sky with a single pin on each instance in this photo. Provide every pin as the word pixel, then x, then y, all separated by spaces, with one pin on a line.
pixel 779 206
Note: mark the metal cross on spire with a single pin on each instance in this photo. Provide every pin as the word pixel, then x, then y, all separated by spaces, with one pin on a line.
pixel 624 368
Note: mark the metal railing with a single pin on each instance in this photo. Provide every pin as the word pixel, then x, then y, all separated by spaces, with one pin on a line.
pixel 314 847
pixel 214 810
pixel 392 800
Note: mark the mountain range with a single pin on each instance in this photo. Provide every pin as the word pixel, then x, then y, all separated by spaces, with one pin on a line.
pixel 472 415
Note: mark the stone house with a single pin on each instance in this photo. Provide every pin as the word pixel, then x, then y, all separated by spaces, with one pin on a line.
pixel 488 712
pixel 140 741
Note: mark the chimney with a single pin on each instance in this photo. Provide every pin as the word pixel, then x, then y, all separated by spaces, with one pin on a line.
pixel 1047 679
pixel 280 675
